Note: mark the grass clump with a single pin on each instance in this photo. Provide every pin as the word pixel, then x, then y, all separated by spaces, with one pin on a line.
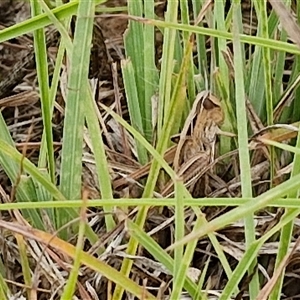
pixel 154 205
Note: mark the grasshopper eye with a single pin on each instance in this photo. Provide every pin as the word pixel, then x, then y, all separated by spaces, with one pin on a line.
pixel 175 138
pixel 211 102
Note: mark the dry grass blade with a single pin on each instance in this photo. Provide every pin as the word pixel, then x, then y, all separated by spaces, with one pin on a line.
pixel 188 123
pixel 19 70
pixel 287 20
pixel 143 171
pixel 267 289
pixel 68 250
pixel 24 98
pixel 255 122
pixel 277 132
pixel 202 13
pixel 286 98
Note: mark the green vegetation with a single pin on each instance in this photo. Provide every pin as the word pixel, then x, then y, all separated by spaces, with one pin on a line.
pixel 213 55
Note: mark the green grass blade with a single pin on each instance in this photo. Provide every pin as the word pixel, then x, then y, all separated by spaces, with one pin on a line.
pixel 53 93
pixel 134 47
pixel 43 80
pixel 157 252
pixel 70 286
pixel 179 234
pixel 43 195
pixel 174 108
pixel 165 82
pixel 223 78
pixel 4 289
pixel 26 185
pixel 11 169
pixel 252 253
pixel 233 202
pixel 24 263
pixel 71 155
pixel 244 158
pixel 268 78
pixel 246 209
pixel 183 265
pixel 200 295
pixel 150 70
pixel 256 83
pixel 135 112
pixel 41 21
pixel 15 158
pixel 200 44
pixel 13 155
pixel 100 157
pixel 287 230
pixel 252 40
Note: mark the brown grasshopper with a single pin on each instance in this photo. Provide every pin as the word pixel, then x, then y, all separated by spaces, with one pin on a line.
pixel 196 146
pixel 195 150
